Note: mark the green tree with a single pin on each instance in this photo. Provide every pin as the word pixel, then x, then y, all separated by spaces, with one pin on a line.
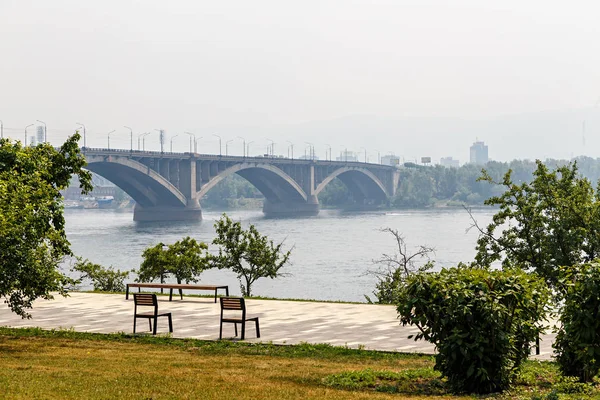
pixel 184 259
pixel 103 279
pixel 550 222
pixel 33 241
pixel 247 253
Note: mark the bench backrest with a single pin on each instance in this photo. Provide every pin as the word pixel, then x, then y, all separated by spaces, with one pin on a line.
pixel 145 299
pixel 233 303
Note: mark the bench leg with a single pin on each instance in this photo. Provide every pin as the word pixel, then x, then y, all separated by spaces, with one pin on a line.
pixel 134 319
pixel 127 293
pixel 170 294
pixel 181 294
pixel 155 323
pixel 170 324
pixel 235 327
pixel 149 324
pixel 221 330
pixel 257 329
pixel 215 296
pixel 243 329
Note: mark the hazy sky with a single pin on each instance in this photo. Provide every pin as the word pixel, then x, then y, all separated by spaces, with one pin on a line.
pixel 274 69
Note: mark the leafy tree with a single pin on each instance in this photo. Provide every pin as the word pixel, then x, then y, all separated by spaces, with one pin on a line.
pixel 577 343
pixel 33 241
pixel 103 279
pixel 397 267
pixel 480 321
pixel 247 253
pixel 552 221
pixel 184 259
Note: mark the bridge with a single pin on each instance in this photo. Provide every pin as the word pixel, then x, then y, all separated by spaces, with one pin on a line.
pixel 169 186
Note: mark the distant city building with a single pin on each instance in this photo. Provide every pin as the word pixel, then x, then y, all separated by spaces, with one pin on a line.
pixel 347 156
pixel 449 162
pixel 390 159
pixel 39 135
pixel 479 153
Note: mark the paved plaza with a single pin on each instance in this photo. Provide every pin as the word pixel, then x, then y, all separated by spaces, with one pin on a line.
pixel 375 327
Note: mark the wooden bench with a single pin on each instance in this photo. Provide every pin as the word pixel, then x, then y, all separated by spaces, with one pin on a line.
pixel 179 286
pixel 149 300
pixel 236 304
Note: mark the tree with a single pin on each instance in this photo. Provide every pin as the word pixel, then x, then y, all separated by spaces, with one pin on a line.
pixel 184 259
pixel 550 222
pixel 33 241
pixel 247 253
pixel 103 279
pixel 397 267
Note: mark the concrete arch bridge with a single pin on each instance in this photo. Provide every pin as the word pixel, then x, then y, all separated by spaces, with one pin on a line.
pixel 169 186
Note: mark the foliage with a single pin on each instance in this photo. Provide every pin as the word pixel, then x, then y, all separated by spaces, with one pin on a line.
pixel 396 268
pixel 578 340
pixel 480 321
pixel 552 221
pixel 228 192
pixel 247 253
pixel 184 259
pixel 33 240
pixel 103 279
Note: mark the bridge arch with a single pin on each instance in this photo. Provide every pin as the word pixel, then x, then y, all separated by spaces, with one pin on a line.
pixel 357 179
pixel 271 181
pixel 147 187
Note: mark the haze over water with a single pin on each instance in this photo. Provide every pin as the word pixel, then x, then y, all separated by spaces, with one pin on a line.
pixel 331 253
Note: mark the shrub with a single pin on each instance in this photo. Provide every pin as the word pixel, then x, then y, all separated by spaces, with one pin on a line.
pixel 577 344
pixel 482 322
pixel 103 279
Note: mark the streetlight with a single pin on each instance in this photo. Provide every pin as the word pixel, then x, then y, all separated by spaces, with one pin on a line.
pixel 311 148
pixel 248 148
pixel 362 148
pixel 378 157
pixel 173 137
pixel 139 139
pixel 214 134
pixel 292 147
pixel 130 137
pixel 83 126
pixel 109 138
pixel 144 140
pixel 45 131
pixel 328 147
pixel 239 137
pixel 227 146
pixel 26 133
pixel 272 146
pixel 196 143
pixel 191 134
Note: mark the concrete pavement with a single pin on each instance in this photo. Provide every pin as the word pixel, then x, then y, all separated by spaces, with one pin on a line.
pixel 371 326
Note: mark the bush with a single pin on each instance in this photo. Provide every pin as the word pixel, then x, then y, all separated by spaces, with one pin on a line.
pixel 577 343
pixel 482 322
pixel 103 279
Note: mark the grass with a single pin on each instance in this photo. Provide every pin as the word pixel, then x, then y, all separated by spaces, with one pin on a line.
pixel 64 364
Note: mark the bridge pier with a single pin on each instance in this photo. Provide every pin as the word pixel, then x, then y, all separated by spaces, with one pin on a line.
pixel 166 213
pixel 290 209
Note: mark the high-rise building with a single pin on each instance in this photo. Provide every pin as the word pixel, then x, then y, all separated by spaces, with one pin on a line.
pixel 479 153
pixel 390 159
pixel 39 135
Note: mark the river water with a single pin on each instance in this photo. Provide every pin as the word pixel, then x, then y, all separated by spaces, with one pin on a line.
pixel 331 252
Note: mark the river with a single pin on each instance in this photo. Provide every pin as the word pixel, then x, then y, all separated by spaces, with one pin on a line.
pixel 331 252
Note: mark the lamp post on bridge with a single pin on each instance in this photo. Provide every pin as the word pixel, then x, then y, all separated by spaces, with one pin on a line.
pixel 139 139
pixel 214 134
pixel 272 146
pixel 191 134
pixel 144 140
pixel 248 148
pixel 328 147
pixel 161 138
pixel 130 137
pixel 227 146
pixel 244 148
pixel 291 146
pixel 362 148
pixel 173 137
pixel 108 138
pixel 45 131
pixel 378 157
pixel 26 133
pixel 311 149
pixel 84 139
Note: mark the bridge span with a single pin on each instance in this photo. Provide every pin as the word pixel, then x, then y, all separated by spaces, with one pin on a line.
pixel 169 186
